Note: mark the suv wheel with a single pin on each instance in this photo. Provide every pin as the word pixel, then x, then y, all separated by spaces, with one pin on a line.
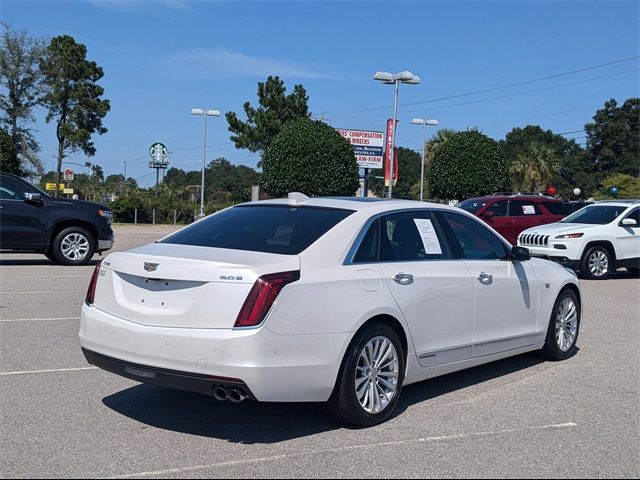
pixel 51 257
pixel 74 246
pixel 370 379
pixel 597 263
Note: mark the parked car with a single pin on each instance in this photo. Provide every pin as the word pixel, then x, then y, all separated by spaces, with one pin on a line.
pixel 324 300
pixel 511 214
pixel 596 240
pixel 68 232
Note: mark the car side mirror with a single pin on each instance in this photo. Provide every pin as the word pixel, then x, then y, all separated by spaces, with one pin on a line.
pixel 489 214
pixel 33 197
pixel 629 222
pixel 520 254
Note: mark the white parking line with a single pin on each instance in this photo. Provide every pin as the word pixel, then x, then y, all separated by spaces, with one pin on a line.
pixel 38 319
pixel 344 448
pixel 46 291
pixel 50 276
pixel 27 372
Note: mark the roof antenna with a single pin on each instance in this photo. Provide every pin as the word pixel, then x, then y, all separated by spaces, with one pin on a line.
pixel 296 197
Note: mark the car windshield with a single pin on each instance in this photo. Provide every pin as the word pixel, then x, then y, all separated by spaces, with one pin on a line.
pixel 472 206
pixel 262 228
pixel 595 215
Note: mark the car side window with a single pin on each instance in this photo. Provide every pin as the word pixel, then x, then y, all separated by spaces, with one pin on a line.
pixel 369 247
pixel 521 208
pixel 412 236
pixel 635 215
pixel 475 240
pixel 499 209
pixel 12 189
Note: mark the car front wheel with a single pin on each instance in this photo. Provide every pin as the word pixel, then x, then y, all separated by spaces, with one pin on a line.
pixel 370 380
pixel 74 246
pixel 564 327
pixel 597 264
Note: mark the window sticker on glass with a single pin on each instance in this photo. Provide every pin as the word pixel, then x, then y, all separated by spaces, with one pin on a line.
pixel 428 235
pixel 528 209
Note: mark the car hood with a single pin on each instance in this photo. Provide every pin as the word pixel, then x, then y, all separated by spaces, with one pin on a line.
pixel 559 228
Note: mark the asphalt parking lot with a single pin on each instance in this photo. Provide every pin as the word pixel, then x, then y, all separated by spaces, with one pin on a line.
pixel 520 417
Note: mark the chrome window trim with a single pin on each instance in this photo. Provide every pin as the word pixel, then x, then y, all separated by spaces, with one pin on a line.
pixel 363 232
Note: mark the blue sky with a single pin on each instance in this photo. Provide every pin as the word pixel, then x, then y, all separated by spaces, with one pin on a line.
pixel 163 58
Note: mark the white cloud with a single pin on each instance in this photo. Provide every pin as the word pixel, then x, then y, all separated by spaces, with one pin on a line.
pixel 221 62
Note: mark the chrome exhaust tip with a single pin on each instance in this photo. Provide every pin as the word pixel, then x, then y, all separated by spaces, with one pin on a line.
pixel 220 394
pixel 236 396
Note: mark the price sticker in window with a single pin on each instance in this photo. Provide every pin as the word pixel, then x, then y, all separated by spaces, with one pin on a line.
pixel 528 209
pixel 428 236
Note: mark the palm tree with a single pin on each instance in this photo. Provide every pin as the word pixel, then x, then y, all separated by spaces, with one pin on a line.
pixel 534 168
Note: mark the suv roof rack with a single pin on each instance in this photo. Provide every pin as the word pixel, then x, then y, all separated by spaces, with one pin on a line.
pixel 630 201
pixel 521 194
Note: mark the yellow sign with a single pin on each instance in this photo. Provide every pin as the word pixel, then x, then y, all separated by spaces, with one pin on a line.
pixel 68 191
pixel 52 186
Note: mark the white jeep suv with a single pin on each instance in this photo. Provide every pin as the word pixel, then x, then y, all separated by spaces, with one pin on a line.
pixel 595 240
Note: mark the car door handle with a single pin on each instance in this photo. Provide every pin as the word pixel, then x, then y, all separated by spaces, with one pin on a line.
pixel 484 277
pixel 403 278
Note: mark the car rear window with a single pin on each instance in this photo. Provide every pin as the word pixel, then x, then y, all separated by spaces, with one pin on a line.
pixel 556 208
pixel 262 228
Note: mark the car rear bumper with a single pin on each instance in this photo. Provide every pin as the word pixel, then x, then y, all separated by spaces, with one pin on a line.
pixel 274 368
pixel 186 381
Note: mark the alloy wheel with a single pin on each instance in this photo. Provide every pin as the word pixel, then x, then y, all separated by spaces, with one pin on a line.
pixel 377 374
pixel 598 263
pixel 75 247
pixel 566 324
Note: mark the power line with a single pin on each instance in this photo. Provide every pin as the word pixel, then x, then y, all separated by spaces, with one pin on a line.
pixel 527 92
pixel 502 87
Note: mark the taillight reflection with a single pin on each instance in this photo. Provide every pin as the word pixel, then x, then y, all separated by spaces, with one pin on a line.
pixel 261 297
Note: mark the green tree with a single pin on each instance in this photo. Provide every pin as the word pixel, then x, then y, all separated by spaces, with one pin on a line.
pixel 73 97
pixel 233 182
pixel 409 176
pixel 534 168
pixel 613 139
pixel 468 164
pixel 628 186
pixel 431 148
pixel 8 154
pixel 572 170
pixel 274 111
pixel 20 78
pixel 310 157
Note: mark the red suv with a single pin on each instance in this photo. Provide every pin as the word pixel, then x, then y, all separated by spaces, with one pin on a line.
pixel 512 214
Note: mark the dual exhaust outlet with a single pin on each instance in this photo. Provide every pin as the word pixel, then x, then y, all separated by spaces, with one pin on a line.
pixel 232 394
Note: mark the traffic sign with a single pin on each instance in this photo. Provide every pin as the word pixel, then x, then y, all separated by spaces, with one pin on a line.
pixel 52 186
pixel 68 175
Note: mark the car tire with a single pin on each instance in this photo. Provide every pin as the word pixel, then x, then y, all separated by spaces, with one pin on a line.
pixel 597 263
pixel 365 396
pixel 51 257
pixel 564 327
pixel 74 246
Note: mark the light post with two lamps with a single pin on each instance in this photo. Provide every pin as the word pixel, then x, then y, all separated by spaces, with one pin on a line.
pixel 424 123
pixel 395 79
pixel 205 113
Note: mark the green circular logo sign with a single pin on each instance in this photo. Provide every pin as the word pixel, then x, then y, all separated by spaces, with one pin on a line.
pixel 158 152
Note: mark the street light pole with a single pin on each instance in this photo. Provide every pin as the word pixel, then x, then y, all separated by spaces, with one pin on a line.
pixel 391 79
pixel 205 113
pixel 424 123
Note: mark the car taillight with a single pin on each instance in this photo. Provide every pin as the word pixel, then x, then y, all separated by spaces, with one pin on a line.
pixel 261 297
pixel 91 291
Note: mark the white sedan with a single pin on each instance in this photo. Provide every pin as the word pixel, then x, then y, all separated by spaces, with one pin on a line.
pixel 338 300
